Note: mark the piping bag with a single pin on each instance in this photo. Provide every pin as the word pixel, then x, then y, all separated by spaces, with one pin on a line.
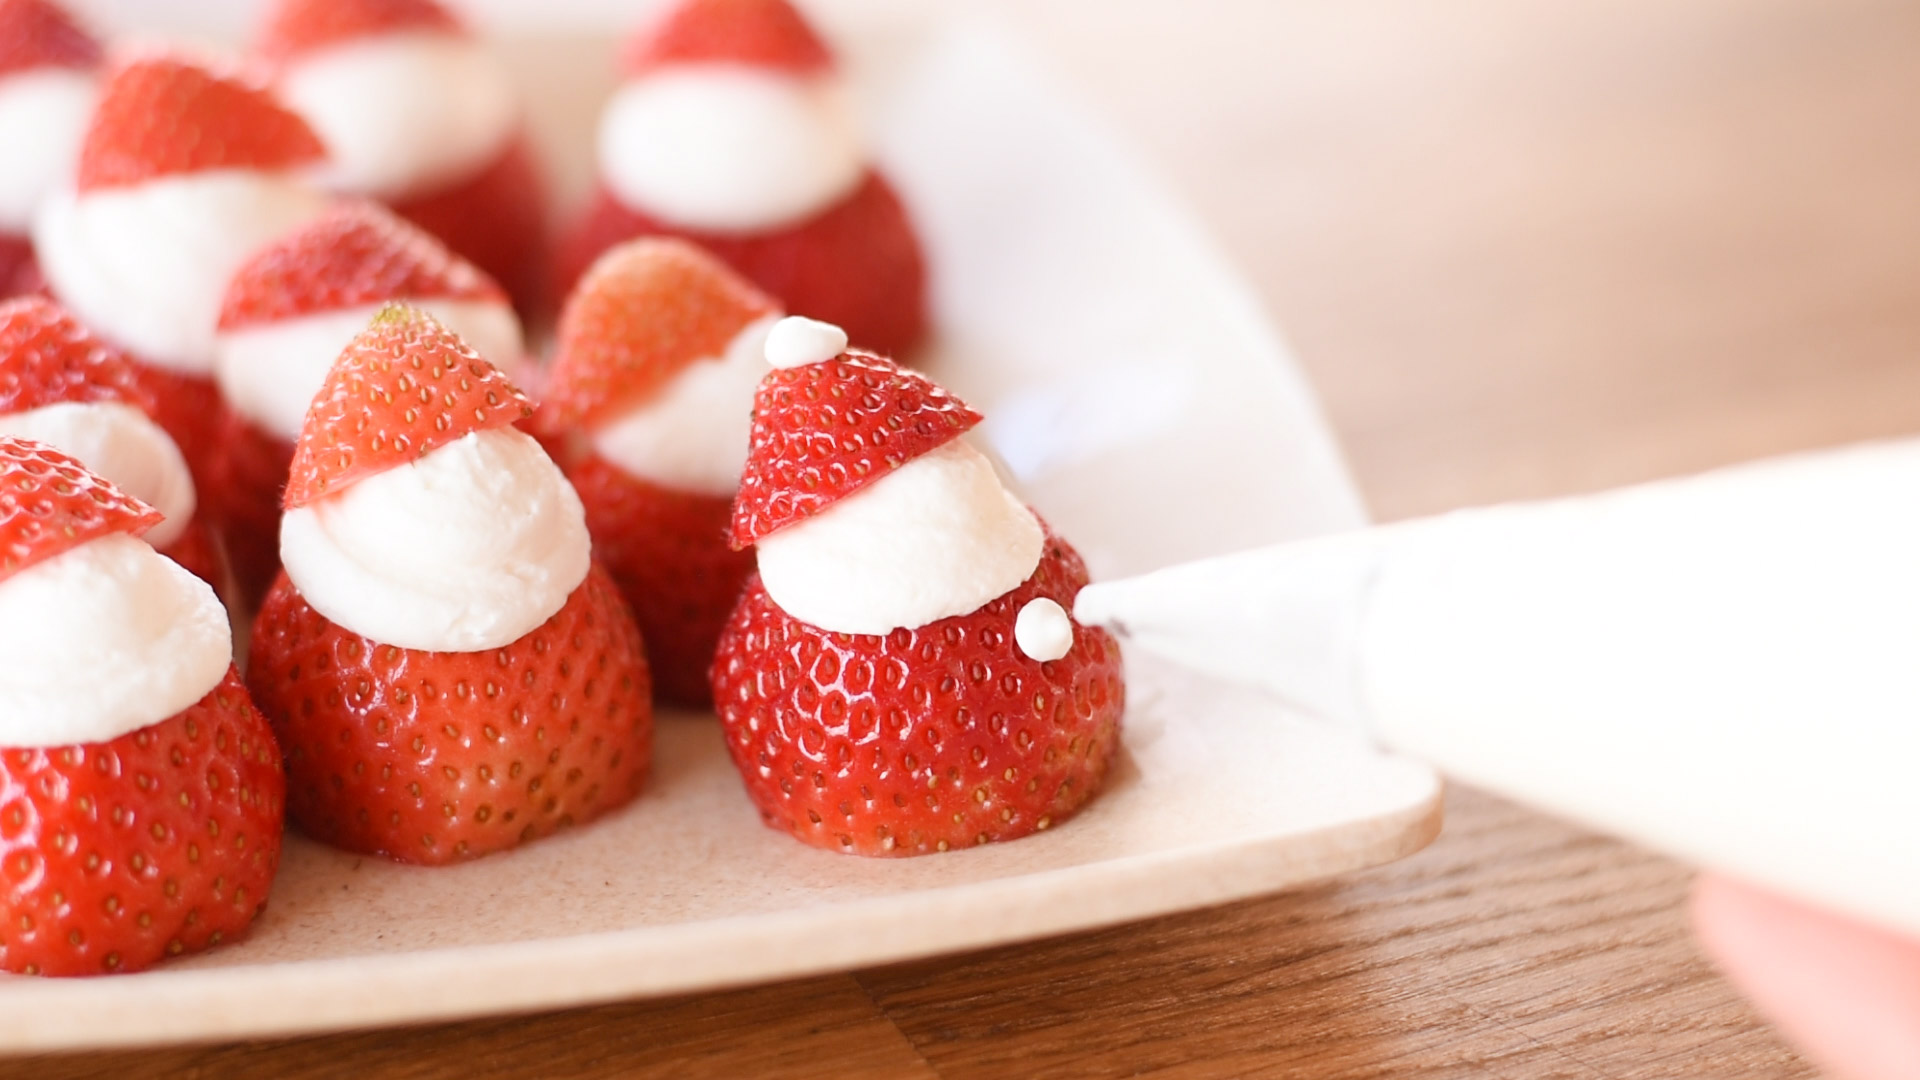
pixel 1725 667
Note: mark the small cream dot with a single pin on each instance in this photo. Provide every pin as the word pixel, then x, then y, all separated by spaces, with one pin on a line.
pixel 1042 630
pixel 796 341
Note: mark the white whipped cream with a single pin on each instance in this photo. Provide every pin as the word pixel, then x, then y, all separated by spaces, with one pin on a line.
pixel 466 549
pixel 728 148
pixel 270 373
pixel 1042 629
pixel 120 443
pixel 404 113
pixel 693 434
pixel 43 119
pixel 797 341
pixel 147 265
pixel 937 537
pixel 103 639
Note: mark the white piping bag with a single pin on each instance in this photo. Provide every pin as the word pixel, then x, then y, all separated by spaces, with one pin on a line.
pixel 1725 667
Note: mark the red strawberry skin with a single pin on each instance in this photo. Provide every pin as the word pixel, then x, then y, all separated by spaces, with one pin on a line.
pixel 248 475
pixel 756 33
pixel 942 737
pixel 294 27
pixel 433 757
pixel 857 264
pixel 872 415
pixel 199 552
pixel 497 219
pixel 190 409
pixel 116 855
pixel 19 269
pixel 39 34
pixel 52 504
pixel 667 552
pixel 161 116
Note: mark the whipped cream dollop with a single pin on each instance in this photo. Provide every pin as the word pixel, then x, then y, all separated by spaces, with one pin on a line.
pixel 693 434
pixel 797 341
pixel 103 639
pixel 270 373
pixel 120 443
pixel 147 265
pixel 728 148
pixel 43 119
pixel 1042 630
pixel 468 548
pixel 404 113
pixel 937 537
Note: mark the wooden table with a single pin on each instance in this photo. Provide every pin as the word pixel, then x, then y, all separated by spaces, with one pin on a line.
pixel 1523 249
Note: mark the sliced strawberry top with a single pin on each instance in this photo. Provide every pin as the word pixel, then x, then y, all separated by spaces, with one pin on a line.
pixel 759 33
pixel 294 27
pixel 39 34
pixel 353 255
pixel 402 389
pixel 50 503
pixel 162 116
pixel 644 312
pixel 823 431
pixel 47 357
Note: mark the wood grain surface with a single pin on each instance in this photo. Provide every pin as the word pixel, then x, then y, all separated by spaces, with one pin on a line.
pixel 1523 249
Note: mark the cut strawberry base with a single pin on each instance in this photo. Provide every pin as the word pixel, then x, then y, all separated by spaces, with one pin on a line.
pixel 164 841
pixel 925 740
pixel 434 757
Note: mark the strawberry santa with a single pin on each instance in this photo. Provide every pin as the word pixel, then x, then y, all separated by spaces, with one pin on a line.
pixel 448 670
pixel 142 791
pixel 732 130
pixel 901 675
pixel 660 349
pixel 183 174
pixel 419 114
pixel 288 313
pixel 48 78
pixel 61 386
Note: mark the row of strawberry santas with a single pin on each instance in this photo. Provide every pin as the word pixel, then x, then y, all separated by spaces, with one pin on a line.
pixel 730 129
pixel 435 715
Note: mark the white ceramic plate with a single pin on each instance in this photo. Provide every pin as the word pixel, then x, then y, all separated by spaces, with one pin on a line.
pixel 1147 410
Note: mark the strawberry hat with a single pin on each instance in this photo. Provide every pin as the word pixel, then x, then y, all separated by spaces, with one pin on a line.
pixel 643 313
pixel 401 390
pixel 755 33
pixel 295 28
pixel 48 358
pixel 52 504
pixel 355 254
pixel 38 34
pixel 163 115
pixel 828 421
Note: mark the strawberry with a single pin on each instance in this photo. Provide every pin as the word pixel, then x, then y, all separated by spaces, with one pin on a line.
pixel 924 738
pixel 164 840
pixel 429 756
pixel 497 219
pixel 943 736
pixel 19 270
pixel 404 388
pixel 760 33
pixel 646 312
pixel 41 34
pixel 297 27
pixel 162 115
pixel 856 264
pixel 877 415
pixel 354 255
pixel 48 358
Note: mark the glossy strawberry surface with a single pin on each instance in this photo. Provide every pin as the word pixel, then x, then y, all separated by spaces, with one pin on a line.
pixel 433 757
pixel 667 551
pixel 41 34
pixel 496 219
pixel 941 737
pixel 50 503
pixel 296 27
pixel 116 855
pixel 757 33
pixel 856 264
